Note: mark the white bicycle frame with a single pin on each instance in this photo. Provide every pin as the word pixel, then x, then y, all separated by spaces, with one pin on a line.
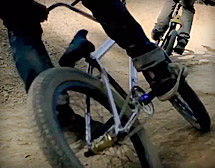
pixel 133 81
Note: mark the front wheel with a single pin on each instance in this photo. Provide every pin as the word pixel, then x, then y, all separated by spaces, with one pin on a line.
pixel 191 108
pixel 169 42
pixel 172 38
pixel 65 149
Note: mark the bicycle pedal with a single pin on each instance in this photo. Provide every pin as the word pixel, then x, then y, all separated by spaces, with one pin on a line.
pixel 106 142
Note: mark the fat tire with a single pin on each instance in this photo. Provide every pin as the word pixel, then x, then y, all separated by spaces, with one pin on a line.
pixel 171 42
pixel 196 106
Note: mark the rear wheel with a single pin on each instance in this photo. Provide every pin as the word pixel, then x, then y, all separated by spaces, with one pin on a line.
pixel 66 149
pixel 191 108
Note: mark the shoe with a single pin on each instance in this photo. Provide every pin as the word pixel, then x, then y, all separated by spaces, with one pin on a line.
pixel 162 75
pixel 167 80
pixel 69 121
pixel 67 118
pixel 162 82
pixel 180 47
pixel 156 34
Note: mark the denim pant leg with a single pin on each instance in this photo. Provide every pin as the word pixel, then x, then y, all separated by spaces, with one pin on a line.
pixel 165 15
pixel 29 54
pixel 187 18
pixel 119 25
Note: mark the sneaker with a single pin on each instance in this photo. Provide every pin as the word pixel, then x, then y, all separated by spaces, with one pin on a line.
pixel 162 75
pixel 71 122
pixel 167 79
pixel 164 88
pixel 67 118
pixel 180 47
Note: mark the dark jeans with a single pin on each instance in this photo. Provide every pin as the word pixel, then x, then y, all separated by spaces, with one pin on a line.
pixel 29 54
pixel 120 26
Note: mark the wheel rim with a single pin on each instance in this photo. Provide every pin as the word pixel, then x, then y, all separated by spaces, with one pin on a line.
pixel 184 109
pixel 124 154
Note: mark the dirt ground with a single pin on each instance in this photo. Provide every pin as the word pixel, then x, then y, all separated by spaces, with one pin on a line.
pixel 178 144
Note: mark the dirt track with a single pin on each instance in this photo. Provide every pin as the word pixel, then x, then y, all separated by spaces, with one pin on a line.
pixel 178 144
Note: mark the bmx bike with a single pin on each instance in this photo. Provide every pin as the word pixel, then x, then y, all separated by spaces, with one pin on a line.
pixel 111 126
pixel 168 40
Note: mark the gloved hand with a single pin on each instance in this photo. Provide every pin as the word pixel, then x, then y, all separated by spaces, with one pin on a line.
pixel 40 11
pixel 22 12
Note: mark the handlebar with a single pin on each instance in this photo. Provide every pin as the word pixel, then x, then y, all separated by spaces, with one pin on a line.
pixel 71 7
pixel 177 8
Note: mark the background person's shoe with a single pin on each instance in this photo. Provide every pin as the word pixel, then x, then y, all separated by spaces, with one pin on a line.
pixel 180 47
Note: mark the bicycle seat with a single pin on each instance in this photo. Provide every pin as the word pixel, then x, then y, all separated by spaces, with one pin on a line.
pixel 79 48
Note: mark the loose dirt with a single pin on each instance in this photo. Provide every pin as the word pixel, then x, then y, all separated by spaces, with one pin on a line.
pixel 178 144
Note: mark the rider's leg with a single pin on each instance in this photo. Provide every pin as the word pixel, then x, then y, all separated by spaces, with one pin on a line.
pixel 31 58
pixel 122 27
pixel 187 20
pixel 163 19
pixel 29 53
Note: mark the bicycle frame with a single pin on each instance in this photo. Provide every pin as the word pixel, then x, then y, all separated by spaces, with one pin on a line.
pixel 106 79
pixel 133 82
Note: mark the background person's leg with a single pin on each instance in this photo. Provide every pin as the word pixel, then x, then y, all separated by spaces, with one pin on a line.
pixel 187 20
pixel 163 19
